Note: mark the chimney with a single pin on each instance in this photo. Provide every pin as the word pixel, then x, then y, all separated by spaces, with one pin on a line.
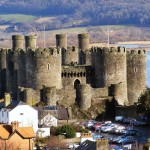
pixel 14 125
pixel 7 99
pixel 102 144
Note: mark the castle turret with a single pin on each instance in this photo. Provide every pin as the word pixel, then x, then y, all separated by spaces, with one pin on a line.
pixel 83 41
pixel 85 97
pixel 110 68
pixel 17 42
pixel 48 68
pixel 50 94
pixel 30 41
pixel 136 74
pixel 3 72
pixel 61 40
pixel 71 55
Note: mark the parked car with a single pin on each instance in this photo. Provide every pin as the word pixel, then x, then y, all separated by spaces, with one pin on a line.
pixel 97 136
pixel 108 128
pixel 131 132
pixel 126 120
pixel 119 118
pixel 139 123
pixel 97 125
pixel 116 139
pixel 89 124
pixel 116 147
pixel 127 139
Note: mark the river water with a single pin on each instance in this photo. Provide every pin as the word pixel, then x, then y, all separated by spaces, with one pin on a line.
pixel 147 59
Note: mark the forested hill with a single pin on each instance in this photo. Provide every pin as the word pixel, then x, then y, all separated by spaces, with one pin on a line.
pixel 85 12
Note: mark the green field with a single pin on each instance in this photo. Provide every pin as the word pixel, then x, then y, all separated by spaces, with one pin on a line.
pixel 87 29
pixel 17 18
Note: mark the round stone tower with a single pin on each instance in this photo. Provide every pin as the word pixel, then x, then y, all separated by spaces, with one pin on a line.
pixel 85 97
pixel 136 74
pixel 83 41
pixel 3 72
pixel 71 55
pixel 110 68
pixel 61 40
pixel 30 41
pixel 51 96
pixel 17 42
pixel 48 68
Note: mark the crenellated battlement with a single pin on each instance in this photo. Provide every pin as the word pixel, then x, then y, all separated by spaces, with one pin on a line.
pixel 71 71
pixel 48 74
pixel 46 52
pixel 3 51
pixel 117 49
pixel 60 36
pixel 136 52
pixel 83 35
pixel 72 48
pixel 30 37
pixel 108 50
pixel 17 37
pixel 97 49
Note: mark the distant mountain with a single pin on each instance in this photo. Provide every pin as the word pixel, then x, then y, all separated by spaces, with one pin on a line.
pixel 82 12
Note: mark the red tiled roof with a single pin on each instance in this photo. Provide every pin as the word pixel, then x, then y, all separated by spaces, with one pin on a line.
pixel 6 131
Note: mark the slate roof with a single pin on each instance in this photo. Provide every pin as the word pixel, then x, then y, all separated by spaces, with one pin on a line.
pixel 59 112
pixel 12 105
pixel 87 145
pixel 63 113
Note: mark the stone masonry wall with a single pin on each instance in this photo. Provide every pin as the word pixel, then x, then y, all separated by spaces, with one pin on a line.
pixel 136 74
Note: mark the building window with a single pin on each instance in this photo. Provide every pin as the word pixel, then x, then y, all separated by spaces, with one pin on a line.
pixel 21 113
pixel 48 67
pixel 135 69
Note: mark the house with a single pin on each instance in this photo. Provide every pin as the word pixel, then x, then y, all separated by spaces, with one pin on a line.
pixel 14 137
pixel 12 110
pixel 46 117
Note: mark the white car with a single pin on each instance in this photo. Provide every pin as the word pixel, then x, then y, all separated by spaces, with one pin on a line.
pixel 108 127
pixel 72 146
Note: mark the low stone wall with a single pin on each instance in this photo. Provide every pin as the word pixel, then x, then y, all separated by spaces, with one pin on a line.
pixel 127 111
pixel 72 140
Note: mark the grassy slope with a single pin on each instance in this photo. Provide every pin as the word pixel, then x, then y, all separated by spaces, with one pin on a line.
pixel 17 18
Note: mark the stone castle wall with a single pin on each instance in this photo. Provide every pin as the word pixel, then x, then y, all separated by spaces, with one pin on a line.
pixel 70 55
pixel 136 74
pixel 66 75
pixel 110 68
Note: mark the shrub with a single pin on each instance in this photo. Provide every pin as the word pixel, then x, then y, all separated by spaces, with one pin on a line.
pixel 67 129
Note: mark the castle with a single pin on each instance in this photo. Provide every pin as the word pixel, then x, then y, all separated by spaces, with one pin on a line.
pixel 67 74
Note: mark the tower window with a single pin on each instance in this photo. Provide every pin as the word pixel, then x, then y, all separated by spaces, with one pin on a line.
pixel 135 69
pixel 48 67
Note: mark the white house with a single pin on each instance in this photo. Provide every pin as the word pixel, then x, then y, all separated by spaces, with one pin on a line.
pixel 18 111
pixel 46 119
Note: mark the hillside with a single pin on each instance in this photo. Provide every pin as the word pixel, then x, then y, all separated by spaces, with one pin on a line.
pixel 71 13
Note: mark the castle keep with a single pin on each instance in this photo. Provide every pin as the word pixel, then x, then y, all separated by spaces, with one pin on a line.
pixel 68 74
